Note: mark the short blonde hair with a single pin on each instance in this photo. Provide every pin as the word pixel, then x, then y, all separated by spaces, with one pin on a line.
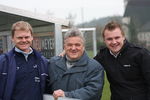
pixel 21 25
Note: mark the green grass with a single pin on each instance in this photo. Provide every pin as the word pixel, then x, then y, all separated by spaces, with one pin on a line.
pixel 106 91
pixel 90 53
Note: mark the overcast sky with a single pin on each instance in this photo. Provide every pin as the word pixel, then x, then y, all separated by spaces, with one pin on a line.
pixel 83 10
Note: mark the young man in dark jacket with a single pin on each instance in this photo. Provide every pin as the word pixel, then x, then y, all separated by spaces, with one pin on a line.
pixel 75 75
pixel 23 71
pixel 127 66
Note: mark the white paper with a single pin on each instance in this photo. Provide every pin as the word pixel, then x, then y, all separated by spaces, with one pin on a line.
pixel 50 97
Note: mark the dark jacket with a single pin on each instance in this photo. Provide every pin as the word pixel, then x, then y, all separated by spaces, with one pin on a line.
pixel 83 81
pixel 8 73
pixel 129 73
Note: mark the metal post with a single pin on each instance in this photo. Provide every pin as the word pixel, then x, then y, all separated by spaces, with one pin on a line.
pixel 58 39
pixel 94 42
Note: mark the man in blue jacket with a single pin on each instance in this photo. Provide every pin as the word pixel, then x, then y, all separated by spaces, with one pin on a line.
pixel 75 75
pixel 23 71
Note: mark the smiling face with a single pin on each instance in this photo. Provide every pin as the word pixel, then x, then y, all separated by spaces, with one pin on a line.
pixel 22 40
pixel 74 47
pixel 114 40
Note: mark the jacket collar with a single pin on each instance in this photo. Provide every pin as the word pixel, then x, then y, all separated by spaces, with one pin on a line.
pixel 78 65
pixel 125 46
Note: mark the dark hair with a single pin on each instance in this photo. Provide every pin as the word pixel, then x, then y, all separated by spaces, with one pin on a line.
pixel 112 26
pixel 21 25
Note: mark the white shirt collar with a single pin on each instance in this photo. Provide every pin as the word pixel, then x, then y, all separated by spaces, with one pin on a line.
pixel 115 55
pixel 24 53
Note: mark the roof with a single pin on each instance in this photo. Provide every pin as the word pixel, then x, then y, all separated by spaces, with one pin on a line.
pixel 138 9
pixel 9 15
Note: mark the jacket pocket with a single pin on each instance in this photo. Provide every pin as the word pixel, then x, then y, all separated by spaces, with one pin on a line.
pixel 130 72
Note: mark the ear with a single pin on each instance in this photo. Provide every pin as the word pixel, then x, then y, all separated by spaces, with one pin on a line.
pixel 32 38
pixel 124 38
pixel 12 39
pixel 83 47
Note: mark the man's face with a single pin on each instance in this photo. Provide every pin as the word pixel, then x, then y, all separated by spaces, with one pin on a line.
pixel 74 47
pixel 22 40
pixel 114 40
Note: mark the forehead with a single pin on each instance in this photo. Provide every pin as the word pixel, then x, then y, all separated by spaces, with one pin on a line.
pixel 115 32
pixel 22 33
pixel 74 40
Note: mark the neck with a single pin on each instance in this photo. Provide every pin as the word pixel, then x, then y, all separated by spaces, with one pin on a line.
pixel 71 60
pixel 115 54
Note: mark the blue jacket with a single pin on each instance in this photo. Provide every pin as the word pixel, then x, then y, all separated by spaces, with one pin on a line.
pixel 83 81
pixel 8 73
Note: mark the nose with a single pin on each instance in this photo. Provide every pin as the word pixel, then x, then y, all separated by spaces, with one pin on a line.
pixel 114 41
pixel 23 39
pixel 73 47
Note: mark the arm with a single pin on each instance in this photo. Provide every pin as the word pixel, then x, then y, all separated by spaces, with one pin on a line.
pixel 3 75
pixel 145 65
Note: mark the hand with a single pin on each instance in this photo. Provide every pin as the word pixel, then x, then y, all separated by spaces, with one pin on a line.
pixel 58 93
pixel 62 53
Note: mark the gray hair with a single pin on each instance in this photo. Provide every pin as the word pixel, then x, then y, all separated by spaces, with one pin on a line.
pixel 74 32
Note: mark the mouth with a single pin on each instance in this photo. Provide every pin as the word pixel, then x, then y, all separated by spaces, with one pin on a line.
pixel 115 46
pixel 24 44
pixel 74 52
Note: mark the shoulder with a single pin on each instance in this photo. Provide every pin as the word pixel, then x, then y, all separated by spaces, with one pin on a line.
pixel 9 55
pixel 55 58
pixel 39 55
pixel 101 54
pixel 2 57
pixel 137 48
pixel 93 61
pixel 44 59
pixel 102 51
pixel 94 64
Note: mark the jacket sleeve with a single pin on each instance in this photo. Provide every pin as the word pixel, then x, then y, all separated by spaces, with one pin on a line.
pixel 93 86
pixel 3 75
pixel 145 65
pixel 99 57
pixel 46 79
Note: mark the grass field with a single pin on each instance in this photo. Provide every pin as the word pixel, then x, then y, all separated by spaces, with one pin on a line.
pixel 106 91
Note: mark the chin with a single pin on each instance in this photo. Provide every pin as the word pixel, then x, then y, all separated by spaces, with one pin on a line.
pixel 73 57
pixel 116 51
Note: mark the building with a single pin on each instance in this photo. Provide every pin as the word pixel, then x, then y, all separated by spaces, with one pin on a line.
pixel 47 30
pixel 137 11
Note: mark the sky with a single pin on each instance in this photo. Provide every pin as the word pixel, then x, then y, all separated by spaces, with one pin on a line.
pixel 81 10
